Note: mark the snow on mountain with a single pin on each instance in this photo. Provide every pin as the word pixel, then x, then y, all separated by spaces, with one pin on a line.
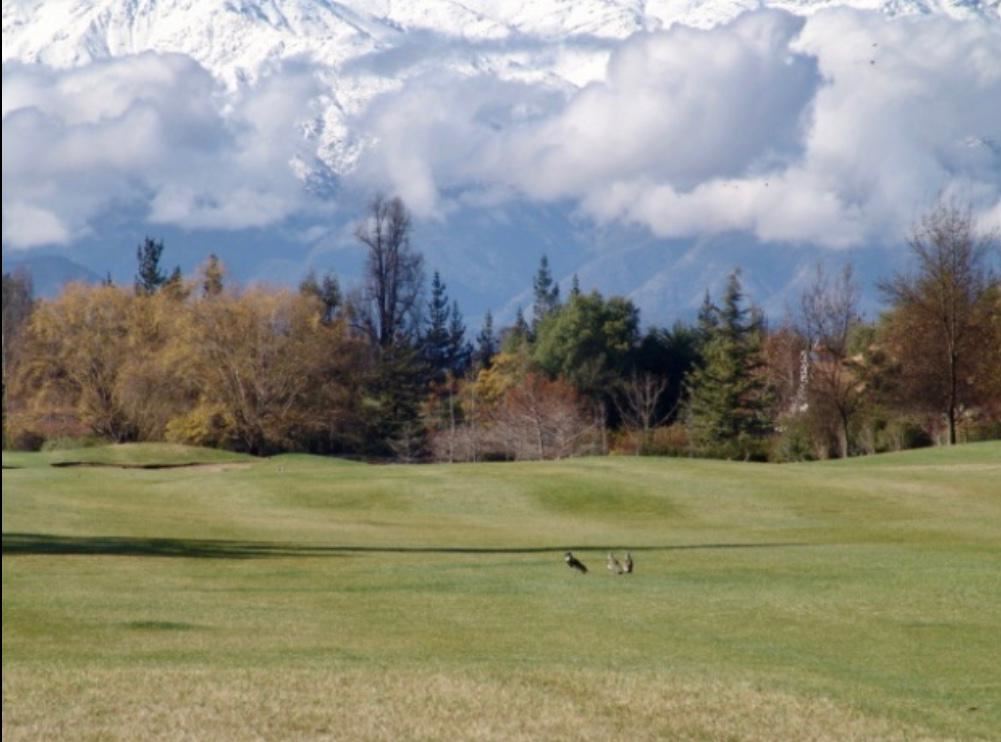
pixel 528 122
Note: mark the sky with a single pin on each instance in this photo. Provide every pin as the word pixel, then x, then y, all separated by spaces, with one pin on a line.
pixel 812 137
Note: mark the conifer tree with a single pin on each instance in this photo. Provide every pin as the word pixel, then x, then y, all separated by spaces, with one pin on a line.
pixel 174 286
pixel 459 351
pixel 727 394
pixel 212 276
pixel 486 343
pixel 149 277
pixel 436 340
pixel 327 290
pixel 546 292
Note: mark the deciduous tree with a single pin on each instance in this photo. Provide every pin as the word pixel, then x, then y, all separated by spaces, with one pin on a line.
pixel 939 327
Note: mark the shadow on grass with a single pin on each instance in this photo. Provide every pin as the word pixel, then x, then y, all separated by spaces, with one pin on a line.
pixel 40 543
pixel 151 467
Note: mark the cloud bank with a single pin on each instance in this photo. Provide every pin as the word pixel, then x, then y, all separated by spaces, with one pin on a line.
pixel 153 131
pixel 835 130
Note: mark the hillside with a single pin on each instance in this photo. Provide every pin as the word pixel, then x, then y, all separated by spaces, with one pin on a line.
pixel 299 596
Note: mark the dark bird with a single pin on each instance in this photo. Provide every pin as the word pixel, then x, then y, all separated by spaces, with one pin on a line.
pixel 627 563
pixel 613 564
pixel 574 563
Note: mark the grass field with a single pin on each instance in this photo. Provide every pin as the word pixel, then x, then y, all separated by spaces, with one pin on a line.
pixel 303 598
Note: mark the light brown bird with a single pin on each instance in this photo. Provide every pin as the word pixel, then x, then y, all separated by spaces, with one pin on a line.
pixel 613 564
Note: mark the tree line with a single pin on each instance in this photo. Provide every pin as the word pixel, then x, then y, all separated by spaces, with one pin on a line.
pixel 388 370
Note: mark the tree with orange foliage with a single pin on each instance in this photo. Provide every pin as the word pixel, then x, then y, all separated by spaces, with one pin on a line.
pixel 942 322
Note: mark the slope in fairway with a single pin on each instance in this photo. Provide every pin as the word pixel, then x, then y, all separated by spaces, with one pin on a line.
pixel 297 597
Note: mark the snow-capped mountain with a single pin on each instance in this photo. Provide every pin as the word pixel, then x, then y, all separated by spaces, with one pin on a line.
pixel 688 127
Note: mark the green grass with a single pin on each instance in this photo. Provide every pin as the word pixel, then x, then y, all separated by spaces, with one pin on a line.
pixel 299 597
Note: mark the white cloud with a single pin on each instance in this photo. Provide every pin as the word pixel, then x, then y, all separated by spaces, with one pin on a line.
pixel 30 226
pixel 156 132
pixel 836 130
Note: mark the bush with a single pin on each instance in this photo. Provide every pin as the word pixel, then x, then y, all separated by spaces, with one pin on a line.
pixel 795 441
pixel 205 425
pixel 23 439
pixel 671 440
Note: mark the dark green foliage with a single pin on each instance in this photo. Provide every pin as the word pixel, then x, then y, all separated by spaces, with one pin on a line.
pixel 546 292
pixel 518 336
pixel 588 341
pixel 436 342
pixel 149 277
pixel 212 277
pixel 486 343
pixel 460 352
pixel 327 290
pixel 669 354
pixel 727 410
pixel 443 342
pixel 393 397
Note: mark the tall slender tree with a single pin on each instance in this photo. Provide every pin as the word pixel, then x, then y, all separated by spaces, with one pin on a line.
pixel 436 342
pixel 149 276
pixel 486 343
pixel 212 276
pixel 460 352
pixel 829 317
pixel 388 310
pixel 546 294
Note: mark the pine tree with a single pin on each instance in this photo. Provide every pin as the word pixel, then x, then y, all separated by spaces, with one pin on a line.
pixel 459 351
pixel 436 340
pixel 327 290
pixel 174 286
pixel 708 318
pixel 149 277
pixel 486 343
pixel 212 276
pixel 518 335
pixel 547 293
pixel 727 394
pixel 575 287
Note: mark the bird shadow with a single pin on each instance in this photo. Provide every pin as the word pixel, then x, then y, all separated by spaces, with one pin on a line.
pixel 49 544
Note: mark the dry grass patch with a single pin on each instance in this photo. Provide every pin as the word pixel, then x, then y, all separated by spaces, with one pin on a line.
pixel 425 705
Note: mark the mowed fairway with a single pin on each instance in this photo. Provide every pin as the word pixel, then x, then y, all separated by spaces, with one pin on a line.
pixel 304 598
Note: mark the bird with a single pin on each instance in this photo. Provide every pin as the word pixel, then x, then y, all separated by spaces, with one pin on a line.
pixel 613 564
pixel 574 563
pixel 627 563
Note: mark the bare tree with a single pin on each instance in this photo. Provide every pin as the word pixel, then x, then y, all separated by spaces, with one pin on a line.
pixel 829 316
pixel 941 315
pixel 389 304
pixel 637 401
pixel 539 419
